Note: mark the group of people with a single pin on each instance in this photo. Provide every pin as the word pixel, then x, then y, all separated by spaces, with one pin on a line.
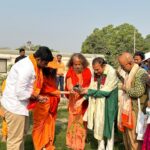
pixel 96 101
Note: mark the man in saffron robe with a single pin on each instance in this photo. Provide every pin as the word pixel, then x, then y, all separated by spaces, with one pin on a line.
pixel 23 82
pixel 77 75
pixel 44 114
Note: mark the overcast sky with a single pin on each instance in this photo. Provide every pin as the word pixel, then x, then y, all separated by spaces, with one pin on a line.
pixel 64 24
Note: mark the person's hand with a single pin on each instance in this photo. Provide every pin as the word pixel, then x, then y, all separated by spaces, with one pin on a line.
pixel 42 99
pixel 84 91
pixel 56 93
pixel 72 91
pixel 79 102
pixel 77 95
pixel 64 92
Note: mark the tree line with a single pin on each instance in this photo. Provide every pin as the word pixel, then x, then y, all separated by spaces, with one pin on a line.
pixel 111 41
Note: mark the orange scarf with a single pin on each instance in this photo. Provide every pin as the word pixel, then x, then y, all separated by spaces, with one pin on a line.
pixel 86 74
pixel 3 86
pixel 37 83
pixel 39 77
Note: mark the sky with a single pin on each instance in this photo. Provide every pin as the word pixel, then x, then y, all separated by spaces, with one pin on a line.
pixel 64 24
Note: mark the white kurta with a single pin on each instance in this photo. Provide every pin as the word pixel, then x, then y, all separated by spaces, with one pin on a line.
pixel 96 109
pixel 19 87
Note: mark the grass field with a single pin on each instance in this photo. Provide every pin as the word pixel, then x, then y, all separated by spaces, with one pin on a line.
pixel 61 126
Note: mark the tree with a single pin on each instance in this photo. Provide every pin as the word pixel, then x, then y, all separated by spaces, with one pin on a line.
pixel 111 41
pixel 147 43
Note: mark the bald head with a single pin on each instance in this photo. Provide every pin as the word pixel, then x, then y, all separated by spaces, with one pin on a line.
pixel 126 61
pixel 125 56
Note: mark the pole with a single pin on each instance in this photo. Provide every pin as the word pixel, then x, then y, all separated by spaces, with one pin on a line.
pixel 134 41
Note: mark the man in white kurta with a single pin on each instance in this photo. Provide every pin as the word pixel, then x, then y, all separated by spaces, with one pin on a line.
pixel 18 90
pixel 102 95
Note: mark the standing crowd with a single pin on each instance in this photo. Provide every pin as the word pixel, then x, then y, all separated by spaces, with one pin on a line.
pixel 98 99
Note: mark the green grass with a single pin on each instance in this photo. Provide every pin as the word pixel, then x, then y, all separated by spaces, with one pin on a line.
pixel 60 135
pixel 62 113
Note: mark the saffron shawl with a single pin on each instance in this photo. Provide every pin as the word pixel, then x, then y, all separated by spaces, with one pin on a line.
pixel 39 77
pixel 37 83
pixel 86 74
